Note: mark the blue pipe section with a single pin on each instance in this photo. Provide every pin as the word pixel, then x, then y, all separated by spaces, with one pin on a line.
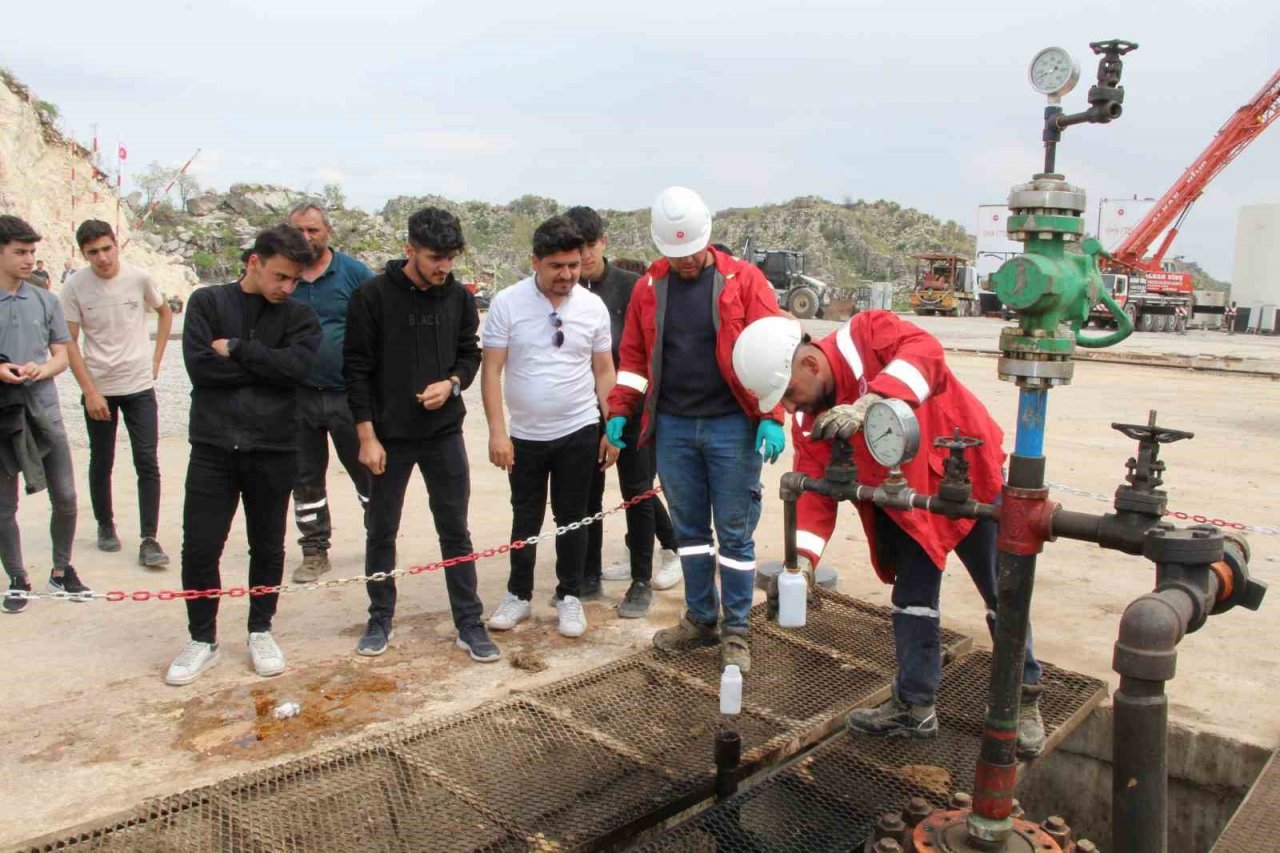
pixel 1032 405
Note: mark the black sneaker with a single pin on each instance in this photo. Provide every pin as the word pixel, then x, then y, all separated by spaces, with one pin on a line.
pixel 13 604
pixel 636 604
pixel 474 639
pixel 589 589
pixel 107 538
pixel 375 639
pixel 894 718
pixel 151 555
pixel 68 582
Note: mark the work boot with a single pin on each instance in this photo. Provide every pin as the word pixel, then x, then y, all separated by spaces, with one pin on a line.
pixel 734 650
pixel 636 604
pixel 895 718
pixel 311 567
pixel 686 635
pixel 107 538
pixel 1030 726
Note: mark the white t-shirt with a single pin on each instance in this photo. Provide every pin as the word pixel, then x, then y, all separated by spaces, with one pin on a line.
pixel 112 314
pixel 550 391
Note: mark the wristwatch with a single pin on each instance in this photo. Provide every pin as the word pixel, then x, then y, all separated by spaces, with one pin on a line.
pixel 457 386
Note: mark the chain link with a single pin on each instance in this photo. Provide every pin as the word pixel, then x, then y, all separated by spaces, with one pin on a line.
pixel 332 583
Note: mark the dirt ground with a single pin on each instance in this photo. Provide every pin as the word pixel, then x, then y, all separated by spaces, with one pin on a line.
pixel 93 728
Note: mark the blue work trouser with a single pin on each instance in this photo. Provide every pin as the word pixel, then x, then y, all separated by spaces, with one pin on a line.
pixel 710 469
pixel 917 630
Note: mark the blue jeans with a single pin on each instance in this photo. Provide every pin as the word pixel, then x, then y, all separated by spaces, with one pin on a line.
pixel 709 469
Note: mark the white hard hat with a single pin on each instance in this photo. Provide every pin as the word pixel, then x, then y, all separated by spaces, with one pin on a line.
pixel 681 223
pixel 762 358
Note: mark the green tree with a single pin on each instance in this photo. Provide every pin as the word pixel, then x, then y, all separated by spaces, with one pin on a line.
pixel 334 197
pixel 153 181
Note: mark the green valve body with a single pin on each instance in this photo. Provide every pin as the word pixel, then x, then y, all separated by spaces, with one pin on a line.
pixel 1052 286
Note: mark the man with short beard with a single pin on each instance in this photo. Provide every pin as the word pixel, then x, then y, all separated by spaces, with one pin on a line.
pixel 411 350
pixel 326 285
pixel 247 345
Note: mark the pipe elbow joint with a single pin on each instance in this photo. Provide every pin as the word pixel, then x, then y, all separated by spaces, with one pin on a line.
pixel 1150 629
pixel 791 485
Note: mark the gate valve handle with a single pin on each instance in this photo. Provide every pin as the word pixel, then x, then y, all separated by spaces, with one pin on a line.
pixel 1151 433
pixel 956 442
pixel 1117 46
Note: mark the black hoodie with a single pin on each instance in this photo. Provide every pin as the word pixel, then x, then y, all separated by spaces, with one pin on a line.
pixel 400 339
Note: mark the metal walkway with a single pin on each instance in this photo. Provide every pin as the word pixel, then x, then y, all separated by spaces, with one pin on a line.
pixel 1256 824
pixel 584 763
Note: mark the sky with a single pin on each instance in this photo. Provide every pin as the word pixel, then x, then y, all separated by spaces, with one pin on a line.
pixel 923 103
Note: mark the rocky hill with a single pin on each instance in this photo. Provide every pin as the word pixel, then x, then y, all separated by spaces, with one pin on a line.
pixel 844 243
pixel 50 181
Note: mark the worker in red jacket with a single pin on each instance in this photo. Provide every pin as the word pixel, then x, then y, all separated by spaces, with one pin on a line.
pixel 828 385
pixel 675 371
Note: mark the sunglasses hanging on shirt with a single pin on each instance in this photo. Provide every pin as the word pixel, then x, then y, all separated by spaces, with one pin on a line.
pixel 558 338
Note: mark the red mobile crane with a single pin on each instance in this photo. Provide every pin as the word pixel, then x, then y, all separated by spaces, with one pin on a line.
pixel 1151 294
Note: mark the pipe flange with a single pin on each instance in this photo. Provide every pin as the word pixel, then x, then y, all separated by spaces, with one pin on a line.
pixel 1195 545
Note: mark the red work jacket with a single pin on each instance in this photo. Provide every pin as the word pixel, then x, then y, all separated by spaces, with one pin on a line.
pixel 879 353
pixel 742 295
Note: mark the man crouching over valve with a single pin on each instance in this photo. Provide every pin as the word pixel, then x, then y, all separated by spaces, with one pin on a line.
pixel 828 385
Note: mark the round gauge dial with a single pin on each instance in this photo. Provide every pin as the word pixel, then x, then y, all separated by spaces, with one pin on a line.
pixel 1054 72
pixel 892 432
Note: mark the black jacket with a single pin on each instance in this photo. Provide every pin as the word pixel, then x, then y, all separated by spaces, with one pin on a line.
pixel 26 434
pixel 615 289
pixel 246 402
pixel 400 339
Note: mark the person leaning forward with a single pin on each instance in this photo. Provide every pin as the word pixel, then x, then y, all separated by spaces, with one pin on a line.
pixel 676 371
pixel 246 345
pixel 829 385
pixel 411 349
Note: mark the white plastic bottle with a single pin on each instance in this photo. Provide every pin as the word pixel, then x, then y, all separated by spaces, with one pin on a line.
pixel 793 599
pixel 731 690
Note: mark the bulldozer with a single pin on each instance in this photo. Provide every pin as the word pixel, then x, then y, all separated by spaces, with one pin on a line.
pixel 803 295
pixel 945 284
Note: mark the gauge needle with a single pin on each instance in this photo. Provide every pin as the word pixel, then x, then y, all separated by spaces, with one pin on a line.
pixel 888 431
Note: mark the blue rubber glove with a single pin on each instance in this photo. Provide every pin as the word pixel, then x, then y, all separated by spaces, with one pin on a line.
pixel 770 440
pixel 613 430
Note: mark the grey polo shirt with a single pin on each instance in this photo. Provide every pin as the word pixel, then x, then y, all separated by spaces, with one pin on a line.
pixel 30 319
pixel 550 390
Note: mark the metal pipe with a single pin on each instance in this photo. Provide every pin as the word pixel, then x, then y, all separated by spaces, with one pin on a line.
pixel 789 522
pixel 728 756
pixel 1145 657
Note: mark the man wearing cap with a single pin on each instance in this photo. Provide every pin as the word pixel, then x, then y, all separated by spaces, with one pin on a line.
pixel 828 386
pixel 676 374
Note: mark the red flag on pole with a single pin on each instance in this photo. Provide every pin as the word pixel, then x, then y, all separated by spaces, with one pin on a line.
pixel 122 153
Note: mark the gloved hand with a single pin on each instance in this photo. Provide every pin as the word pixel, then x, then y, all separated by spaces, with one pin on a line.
pixel 771 601
pixel 613 430
pixel 843 421
pixel 770 440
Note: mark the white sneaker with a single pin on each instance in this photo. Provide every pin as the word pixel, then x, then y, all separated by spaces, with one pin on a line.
pixel 573 622
pixel 510 613
pixel 670 573
pixel 268 660
pixel 194 659
pixel 619 571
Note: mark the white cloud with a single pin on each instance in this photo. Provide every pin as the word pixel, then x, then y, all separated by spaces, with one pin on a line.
pixel 330 175
pixel 446 142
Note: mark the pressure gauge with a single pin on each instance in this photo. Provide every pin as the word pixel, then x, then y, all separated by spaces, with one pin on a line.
pixel 1053 72
pixel 892 432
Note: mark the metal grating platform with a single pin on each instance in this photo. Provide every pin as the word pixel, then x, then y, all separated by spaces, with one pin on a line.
pixel 1256 824
pixel 830 798
pixel 582 763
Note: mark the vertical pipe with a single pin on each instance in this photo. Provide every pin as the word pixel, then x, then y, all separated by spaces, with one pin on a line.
pixel 728 756
pixel 789 559
pixel 1139 794
pixel 996 773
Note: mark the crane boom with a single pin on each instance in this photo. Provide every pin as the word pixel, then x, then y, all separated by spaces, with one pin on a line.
pixel 1245 125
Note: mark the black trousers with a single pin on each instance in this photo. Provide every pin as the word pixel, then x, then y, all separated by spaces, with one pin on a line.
pixel 917 587
pixel 141 419
pixel 566 464
pixel 322 414
pixel 447 474
pixel 636 470
pixel 217 480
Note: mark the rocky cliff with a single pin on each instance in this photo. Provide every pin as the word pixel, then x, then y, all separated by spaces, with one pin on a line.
pixel 37 165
